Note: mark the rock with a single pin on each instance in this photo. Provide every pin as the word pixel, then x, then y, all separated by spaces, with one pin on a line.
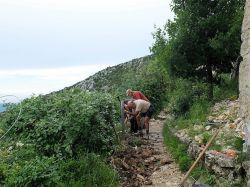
pixel 125 166
pixel 151 159
pixel 148 182
pixel 198 139
pixel 208 127
pixel 140 177
pixel 248 183
pixel 225 162
pixel 238 120
pixel 165 161
pixel 239 126
pixel 246 166
pixel 198 127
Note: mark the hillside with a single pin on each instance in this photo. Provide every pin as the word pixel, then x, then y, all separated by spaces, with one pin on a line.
pixel 113 77
pixel 1 107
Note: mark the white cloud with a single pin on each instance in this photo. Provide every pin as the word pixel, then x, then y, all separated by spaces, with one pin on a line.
pixel 65 73
pixel 25 82
pixel 106 5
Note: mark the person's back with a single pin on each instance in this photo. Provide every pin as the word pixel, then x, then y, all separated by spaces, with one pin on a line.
pixel 139 95
pixel 141 105
pixel 136 95
pixel 142 109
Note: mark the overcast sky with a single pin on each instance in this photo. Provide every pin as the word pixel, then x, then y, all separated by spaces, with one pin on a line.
pixel 46 45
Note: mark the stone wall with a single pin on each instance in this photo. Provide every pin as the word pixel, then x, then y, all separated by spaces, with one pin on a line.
pixel 244 77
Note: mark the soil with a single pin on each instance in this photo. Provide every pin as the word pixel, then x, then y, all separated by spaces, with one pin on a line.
pixel 145 161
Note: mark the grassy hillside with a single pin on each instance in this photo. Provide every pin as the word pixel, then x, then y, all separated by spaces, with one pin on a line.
pixel 115 77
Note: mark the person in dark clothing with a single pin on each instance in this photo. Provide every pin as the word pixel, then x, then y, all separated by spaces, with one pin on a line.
pixel 131 118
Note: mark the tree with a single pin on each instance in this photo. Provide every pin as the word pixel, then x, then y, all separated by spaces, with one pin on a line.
pixel 204 38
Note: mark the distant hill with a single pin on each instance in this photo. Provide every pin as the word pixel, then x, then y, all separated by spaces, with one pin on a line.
pixel 2 108
pixel 114 77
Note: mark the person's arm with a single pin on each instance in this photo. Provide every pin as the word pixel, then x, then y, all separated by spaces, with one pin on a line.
pixel 132 113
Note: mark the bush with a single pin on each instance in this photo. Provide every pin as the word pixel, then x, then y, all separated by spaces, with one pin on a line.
pixel 177 149
pixel 183 94
pixel 88 170
pixel 35 172
pixel 63 124
pixel 184 163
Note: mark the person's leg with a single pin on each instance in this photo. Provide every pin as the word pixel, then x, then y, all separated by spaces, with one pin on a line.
pixel 146 121
pixel 138 120
pixel 134 127
pixel 148 116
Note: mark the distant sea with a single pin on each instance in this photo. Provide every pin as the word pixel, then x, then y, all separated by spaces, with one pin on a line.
pixel 2 108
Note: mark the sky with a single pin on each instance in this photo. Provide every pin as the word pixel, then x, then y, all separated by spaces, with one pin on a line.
pixel 46 45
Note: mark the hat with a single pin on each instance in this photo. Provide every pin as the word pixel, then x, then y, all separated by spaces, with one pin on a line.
pixel 130 105
pixel 128 91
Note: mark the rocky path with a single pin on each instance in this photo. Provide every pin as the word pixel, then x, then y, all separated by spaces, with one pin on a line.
pixel 168 175
pixel 146 162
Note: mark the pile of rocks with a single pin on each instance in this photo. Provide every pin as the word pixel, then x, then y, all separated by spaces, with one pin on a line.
pixel 223 162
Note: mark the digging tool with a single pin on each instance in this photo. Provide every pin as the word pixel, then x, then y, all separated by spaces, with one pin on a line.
pixel 199 157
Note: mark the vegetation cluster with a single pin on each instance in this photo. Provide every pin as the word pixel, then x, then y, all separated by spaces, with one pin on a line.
pixel 63 139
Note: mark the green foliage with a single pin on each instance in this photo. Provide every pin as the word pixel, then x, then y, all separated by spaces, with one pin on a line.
pixel 238 144
pixel 88 170
pixel 227 89
pixel 136 141
pixel 184 93
pixel 65 123
pixel 199 110
pixel 153 81
pixel 198 41
pixel 184 163
pixel 206 137
pixel 177 149
pixel 53 130
pixel 216 147
pixel 37 171
pixel 204 175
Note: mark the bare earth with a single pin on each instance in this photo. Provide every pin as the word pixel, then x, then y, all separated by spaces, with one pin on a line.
pixel 167 175
pixel 146 162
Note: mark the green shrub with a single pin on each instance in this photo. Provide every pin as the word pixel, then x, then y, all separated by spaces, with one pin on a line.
pixel 183 94
pixel 181 148
pixel 238 144
pixel 184 163
pixel 35 172
pixel 65 123
pixel 177 149
pixel 206 137
pixel 88 170
pixel 199 110
pixel 227 89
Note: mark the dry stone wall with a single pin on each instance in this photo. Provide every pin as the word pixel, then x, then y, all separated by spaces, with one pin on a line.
pixel 244 79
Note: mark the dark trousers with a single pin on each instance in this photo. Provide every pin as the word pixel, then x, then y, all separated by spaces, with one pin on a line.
pixel 134 126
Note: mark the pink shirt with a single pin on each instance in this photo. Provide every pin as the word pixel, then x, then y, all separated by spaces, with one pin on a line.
pixel 139 95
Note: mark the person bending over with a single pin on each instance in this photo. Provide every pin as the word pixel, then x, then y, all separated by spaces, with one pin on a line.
pixel 141 108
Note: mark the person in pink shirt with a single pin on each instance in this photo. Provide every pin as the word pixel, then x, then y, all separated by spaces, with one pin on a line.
pixel 136 95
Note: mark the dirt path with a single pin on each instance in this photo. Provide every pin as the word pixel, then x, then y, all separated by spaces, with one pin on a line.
pixel 145 162
pixel 168 175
